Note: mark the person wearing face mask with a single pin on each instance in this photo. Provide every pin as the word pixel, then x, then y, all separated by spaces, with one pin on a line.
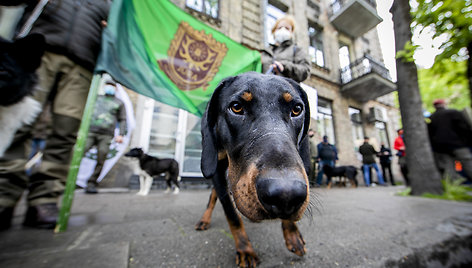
pixel 285 58
pixel 108 111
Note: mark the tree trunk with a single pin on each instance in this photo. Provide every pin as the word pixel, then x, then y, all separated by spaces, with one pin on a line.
pixel 422 171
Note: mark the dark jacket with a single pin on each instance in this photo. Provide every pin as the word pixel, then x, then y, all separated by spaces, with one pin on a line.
pixel 385 155
pixel 293 58
pixel 449 130
pixel 368 153
pixel 108 111
pixel 71 27
pixel 327 152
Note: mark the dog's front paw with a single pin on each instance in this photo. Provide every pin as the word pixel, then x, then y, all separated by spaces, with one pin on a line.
pixel 293 238
pixel 246 257
pixel 202 225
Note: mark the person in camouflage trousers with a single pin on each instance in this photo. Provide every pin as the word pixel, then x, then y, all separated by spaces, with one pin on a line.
pixel 109 111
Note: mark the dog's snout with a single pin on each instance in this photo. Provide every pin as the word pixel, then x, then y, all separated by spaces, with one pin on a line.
pixel 281 197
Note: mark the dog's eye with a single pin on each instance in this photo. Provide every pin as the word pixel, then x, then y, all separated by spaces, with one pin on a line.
pixel 297 109
pixel 237 108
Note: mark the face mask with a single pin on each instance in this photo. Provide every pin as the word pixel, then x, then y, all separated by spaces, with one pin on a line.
pixel 109 90
pixel 282 35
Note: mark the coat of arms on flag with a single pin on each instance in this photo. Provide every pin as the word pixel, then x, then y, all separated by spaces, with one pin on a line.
pixel 194 58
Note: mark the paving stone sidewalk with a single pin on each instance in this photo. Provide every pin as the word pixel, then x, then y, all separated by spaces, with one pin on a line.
pixel 364 227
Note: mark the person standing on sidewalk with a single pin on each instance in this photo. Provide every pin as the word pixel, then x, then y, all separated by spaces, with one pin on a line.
pixel 399 145
pixel 451 139
pixel 109 111
pixel 368 160
pixel 327 155
pixel 313 155
pixel 72 29
pixel 385 156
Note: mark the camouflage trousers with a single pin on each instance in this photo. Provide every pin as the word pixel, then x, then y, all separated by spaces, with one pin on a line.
pixel 66 85
pixel 102 142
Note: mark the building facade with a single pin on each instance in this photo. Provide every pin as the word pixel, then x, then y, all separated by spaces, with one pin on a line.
pixel 353 88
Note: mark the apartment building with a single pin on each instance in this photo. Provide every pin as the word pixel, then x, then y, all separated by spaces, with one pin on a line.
pixel 353 88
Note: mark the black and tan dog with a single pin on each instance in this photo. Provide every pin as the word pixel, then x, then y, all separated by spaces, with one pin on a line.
pixel 342 172
pixel 256 151
pixel 151 167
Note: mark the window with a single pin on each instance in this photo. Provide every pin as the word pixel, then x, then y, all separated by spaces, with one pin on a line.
pixel 163 139
pixel 272 14
pixel 316 45
pixel 344 62
pixel 324 121
pixel 208 7
pixel 356 121
pixel 382 135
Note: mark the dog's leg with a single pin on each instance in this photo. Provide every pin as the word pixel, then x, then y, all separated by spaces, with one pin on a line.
pixel 245 254
pixel 147 184
pixel 169 185
pixel 204 222
pixel 293 238
pixel 175 180
pixel 141 184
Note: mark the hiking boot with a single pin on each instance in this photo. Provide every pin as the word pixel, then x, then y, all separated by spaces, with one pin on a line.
pixel 91 189
pixel 6 214
pixel 42 216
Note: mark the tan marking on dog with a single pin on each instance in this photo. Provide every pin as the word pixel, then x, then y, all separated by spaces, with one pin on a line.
pixel 246 256
pixel 287 97
pixel 204 222
pixel 222 155
pixel 247 96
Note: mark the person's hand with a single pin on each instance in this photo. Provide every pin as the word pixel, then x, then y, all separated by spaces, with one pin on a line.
pixel 119 139
pixel 104 23
pixel 278 67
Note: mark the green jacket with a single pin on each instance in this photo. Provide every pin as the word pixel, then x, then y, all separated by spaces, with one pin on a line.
pixel 293 58
pixel 108 112
pixel 368 153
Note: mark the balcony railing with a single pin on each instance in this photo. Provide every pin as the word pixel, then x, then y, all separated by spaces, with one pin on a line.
pixel 366 79
pixel 361 67
pixel 338 4
pixel 354 17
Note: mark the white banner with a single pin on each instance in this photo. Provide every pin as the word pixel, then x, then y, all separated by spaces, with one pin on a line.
pixel 88 163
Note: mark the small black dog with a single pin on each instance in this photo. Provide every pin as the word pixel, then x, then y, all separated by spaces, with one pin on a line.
pixel 151 167
pixel 342 172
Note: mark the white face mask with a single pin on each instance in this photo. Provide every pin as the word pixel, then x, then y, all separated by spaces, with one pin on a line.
pixel 282 35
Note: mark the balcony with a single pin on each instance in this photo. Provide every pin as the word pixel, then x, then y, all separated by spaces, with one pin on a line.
pixel 366 79
pixel 354 17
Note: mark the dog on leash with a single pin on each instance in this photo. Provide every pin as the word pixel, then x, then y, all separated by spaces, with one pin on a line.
pixel 256 152
pixel 19 60
pixel 151 167
pixel 343 172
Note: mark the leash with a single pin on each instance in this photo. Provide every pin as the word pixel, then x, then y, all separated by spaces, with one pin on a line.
pixel 38 9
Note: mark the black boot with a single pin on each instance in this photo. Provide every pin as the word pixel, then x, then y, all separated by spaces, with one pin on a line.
pixel 42 216
pixel 6 214
pixel 91 189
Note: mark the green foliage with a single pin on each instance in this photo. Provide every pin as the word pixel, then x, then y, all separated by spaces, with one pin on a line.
pixel 447 80
pixel 450 17
pixel 407 53
pixel 405 192
pixel 453 190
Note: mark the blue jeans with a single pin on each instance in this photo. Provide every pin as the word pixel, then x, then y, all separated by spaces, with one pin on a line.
pixel 319 178
pixel 366 167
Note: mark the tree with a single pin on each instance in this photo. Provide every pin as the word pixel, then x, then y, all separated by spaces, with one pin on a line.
pixel 447 80
pixel 422 171
pixel 452 18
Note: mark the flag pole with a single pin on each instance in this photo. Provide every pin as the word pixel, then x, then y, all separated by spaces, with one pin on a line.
pixel 78 153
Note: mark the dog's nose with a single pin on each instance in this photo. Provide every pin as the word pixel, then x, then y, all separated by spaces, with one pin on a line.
pixel 281 197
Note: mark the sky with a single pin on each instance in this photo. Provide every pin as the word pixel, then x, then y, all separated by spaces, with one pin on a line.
pixel 424 56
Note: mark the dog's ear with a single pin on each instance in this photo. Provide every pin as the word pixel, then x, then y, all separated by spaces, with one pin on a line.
pixel 303 139
pixel 209 159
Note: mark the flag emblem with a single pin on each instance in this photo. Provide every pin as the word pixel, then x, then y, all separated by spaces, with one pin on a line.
pixel 194 58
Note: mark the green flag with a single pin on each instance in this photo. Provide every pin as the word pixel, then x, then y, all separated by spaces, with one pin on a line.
pixel 158 50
